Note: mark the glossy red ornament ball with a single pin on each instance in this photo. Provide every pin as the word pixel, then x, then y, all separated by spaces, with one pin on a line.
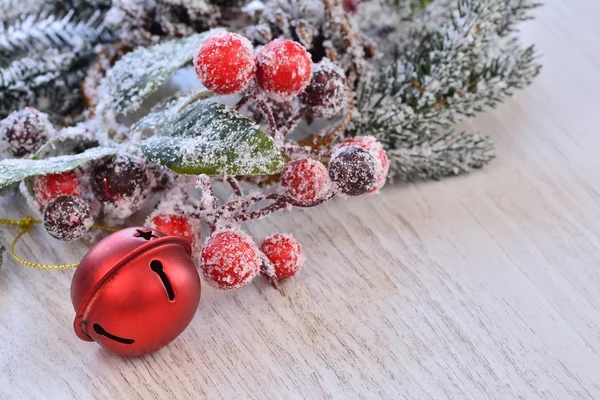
pixel 285 253
pixel 175 225
pixel 225 63
pixel 284 68
pixel 48 187
pixel 373 146
pixel 135 291
pixel 229 260
pixel 305 180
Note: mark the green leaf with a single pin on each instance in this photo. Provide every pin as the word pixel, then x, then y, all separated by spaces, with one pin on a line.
pixel 65 144
pixel 139 73
pixel 168 108
pixel 213 139
pixel 15 170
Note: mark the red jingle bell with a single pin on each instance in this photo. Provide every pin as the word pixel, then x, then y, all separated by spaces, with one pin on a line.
pixel 135 291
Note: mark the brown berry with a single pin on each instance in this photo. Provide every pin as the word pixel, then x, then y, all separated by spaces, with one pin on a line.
pixel 25 131
pixel 68 218
pixel 354 170
pixel 120 177
pixel 327 94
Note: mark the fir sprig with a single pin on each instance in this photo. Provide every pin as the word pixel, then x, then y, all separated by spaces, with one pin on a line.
pixel 39 32
pixel 455 71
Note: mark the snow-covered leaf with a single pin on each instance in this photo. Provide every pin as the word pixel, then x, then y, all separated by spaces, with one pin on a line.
pixel 65 144
pixel 213 139
pixel 168 108
pixel 15 170
pixel 139 73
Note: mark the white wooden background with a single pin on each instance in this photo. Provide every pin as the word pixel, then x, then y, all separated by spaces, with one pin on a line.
pixel 483 286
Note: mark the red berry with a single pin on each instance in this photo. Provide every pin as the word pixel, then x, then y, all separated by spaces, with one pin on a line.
pixel 305 180
pixel 373 146
pixel 225 63
pixel 229 260
pixel 284 68
pixel 285 253
pixel 48 187
pixel 175 225
pixel 351 6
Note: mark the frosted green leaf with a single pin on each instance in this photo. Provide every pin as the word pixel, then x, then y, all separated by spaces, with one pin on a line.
pixel 139 73
pixel 213 139
pixel 63 145
pixel 15 170
pixel 168 108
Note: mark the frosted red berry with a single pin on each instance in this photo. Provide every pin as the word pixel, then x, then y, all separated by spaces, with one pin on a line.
pixel 225 63
pixel 25 131
pixel 284 68
pixel 354 170
pixel 327 94
pixel 284 253
pixel 68 218
pixel 373 146
pixel 175 225
pixel 305 180
pixel 48 187
pixel 229 260
pixel 351 6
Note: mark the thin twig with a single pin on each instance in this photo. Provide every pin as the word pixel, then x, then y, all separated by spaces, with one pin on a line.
pixel 293 121
pixel 235 186
pixel 268 113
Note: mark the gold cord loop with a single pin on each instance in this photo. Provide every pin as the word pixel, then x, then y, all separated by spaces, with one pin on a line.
pixel 26 224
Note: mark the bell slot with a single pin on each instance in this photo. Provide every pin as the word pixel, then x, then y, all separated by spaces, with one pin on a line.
pixel 157 267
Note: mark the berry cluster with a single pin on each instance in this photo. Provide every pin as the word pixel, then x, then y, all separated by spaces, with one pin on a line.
pixel 281 80
pixel 226 64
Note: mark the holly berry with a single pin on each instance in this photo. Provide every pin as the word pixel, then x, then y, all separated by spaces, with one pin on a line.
pixel 285 253
pixel 351 6
pixel 225 63
pixel 68 218
pixel 354 170
pixel 305 180
pixel 25 131
pixel 175 225
pixel 48 187
pixel 373 146
pixel 327 94
pixel 229 260
pixel 284 68
pixel 118 178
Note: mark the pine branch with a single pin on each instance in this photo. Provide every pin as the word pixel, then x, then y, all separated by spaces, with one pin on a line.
pixel 456 71
pixel 50 82
pixel 11 10
pixel 39 32
pixel 451 154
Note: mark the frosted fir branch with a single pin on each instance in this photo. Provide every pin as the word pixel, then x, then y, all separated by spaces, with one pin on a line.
pixel 455 72
pixel 35 33
pixel 11 10
pixel 49 82
pixel 451 154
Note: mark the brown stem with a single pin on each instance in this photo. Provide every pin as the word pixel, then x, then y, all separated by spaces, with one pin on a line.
pixel 293 121
pixel 268 113
pixel 235 186
pixel 243 101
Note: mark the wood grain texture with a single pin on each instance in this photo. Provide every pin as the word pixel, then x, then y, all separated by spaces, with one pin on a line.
pixel 485 286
